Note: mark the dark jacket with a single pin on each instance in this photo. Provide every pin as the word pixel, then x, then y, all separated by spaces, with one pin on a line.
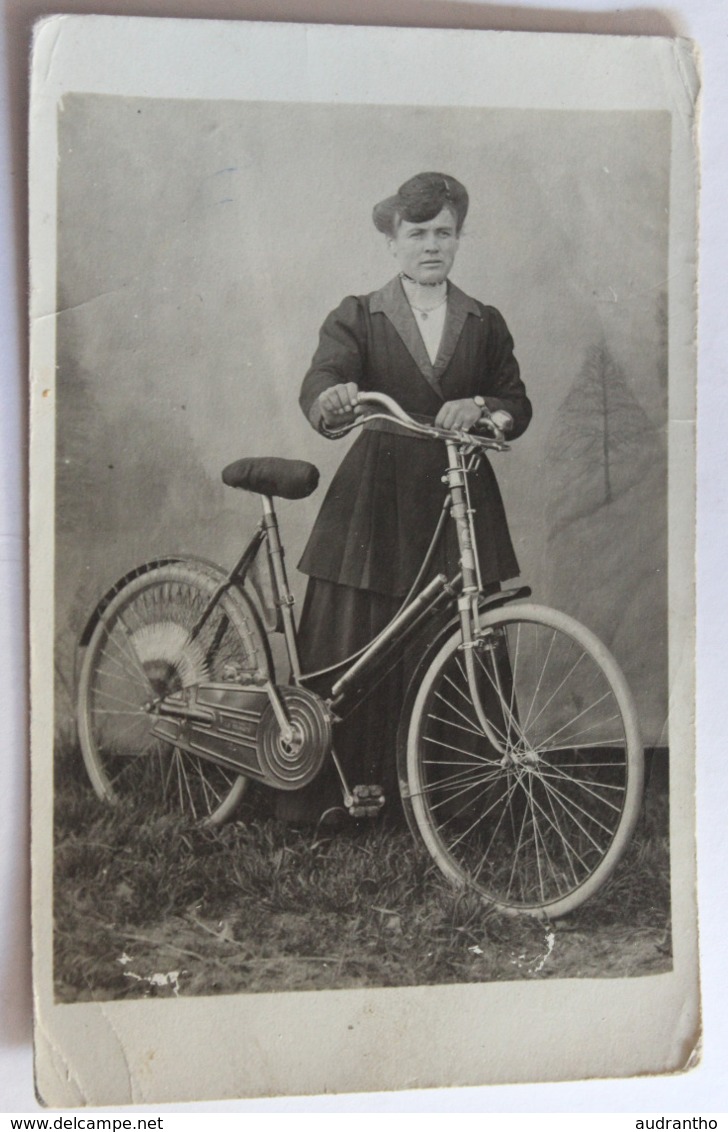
pixel 383 504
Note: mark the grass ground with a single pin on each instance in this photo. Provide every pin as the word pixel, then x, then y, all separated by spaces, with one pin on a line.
pixel 149 905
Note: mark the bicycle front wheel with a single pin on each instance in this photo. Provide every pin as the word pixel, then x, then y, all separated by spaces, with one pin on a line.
pixel 142 650
pixel 536 820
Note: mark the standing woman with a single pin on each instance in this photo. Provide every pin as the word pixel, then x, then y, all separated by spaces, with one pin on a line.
pixel 441 355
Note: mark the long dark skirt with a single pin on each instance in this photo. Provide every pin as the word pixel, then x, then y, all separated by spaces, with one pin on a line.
pixel 337 621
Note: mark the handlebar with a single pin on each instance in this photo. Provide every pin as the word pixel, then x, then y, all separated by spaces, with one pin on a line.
pixel 396 412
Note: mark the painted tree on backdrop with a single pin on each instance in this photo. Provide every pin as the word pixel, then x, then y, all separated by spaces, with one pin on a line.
pixel 602 443
pixel 607 524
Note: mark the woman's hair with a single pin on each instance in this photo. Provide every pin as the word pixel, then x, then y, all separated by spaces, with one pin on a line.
pixel 422 198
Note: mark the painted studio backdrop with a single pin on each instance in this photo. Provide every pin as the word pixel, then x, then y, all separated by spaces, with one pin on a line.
pixel 201 245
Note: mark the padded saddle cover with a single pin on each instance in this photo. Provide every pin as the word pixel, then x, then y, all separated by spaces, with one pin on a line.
pixel 271 475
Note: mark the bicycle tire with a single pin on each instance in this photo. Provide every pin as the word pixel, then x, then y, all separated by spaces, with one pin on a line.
pixel 140 649
pixel 538 826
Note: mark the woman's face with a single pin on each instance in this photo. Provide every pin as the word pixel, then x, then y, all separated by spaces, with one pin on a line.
pixel 426 251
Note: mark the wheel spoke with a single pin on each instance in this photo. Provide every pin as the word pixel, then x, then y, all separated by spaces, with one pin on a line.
pixel 125 648
pixel 119 700
pixel 136 712
pixel 167 775
pixel 176 759
pixel 477 821
pixel 558 786
pixel 506 809
pixel 556 691
pixel 583 712
pixel 458 750
pixel 574 740
pixel 497 731
pixel 125 676
pixel 571 809
pixel 553 867
pixel 565 843
pixel 208 790
pixel 534 824
pixel 516 851
pixel 586 786
pixel 618 747
pixel 460 726
pixel 185 779
pixel 451 705
pixel 563 840
pixel 510 722
pixel 448 762
pixel 542 675
pixel 464 785
pixel 496 681
pixel 138 724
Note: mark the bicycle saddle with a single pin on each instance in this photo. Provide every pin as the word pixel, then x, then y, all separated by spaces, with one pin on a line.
pixel 270 475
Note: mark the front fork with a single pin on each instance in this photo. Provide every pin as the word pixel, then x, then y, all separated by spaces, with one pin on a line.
pixel 473 640
pixel 510 742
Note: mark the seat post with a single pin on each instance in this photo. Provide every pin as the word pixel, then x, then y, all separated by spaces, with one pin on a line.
pixel 284 597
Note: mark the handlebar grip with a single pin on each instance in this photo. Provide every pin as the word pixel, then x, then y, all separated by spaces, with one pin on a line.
pixel 385 402
pixel 485 423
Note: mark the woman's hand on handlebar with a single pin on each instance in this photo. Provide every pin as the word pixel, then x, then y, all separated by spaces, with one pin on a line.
pixel 339 405
pixel 463 414
pixel 345 407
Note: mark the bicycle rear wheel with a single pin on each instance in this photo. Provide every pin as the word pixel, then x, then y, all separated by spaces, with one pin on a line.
pixel 142 650
pixel 537 824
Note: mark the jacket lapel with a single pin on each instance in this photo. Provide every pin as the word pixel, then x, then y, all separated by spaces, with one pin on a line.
pixel 459 306
pixel 392 301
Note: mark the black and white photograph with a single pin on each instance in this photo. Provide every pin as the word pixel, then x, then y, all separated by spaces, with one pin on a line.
pixel 362 598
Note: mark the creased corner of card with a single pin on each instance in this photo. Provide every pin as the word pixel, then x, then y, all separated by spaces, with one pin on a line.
pixel 687 59
pixel 80 1064
pixel 46 40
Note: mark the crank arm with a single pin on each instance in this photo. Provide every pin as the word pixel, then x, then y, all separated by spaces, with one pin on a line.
pixel 287 732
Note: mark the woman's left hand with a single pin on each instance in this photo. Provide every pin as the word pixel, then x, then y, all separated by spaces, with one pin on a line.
pixel 459 414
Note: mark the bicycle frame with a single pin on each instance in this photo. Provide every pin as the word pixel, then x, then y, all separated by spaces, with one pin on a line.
pixel 519 759
pixel 397 634
pixel 361 671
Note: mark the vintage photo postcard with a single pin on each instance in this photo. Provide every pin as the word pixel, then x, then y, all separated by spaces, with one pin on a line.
pixel 362 535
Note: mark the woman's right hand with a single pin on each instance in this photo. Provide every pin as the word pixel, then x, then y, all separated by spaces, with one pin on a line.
pixel 339 405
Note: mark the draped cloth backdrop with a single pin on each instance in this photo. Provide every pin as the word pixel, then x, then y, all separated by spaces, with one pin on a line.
pixel 201 245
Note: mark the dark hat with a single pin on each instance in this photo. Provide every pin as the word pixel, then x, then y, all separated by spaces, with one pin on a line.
pixel 421 198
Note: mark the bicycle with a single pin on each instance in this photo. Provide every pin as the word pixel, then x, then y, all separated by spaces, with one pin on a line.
pixel 519 755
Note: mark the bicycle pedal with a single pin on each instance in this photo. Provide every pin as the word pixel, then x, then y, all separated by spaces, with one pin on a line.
pixel 364 811
pixel 366 801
